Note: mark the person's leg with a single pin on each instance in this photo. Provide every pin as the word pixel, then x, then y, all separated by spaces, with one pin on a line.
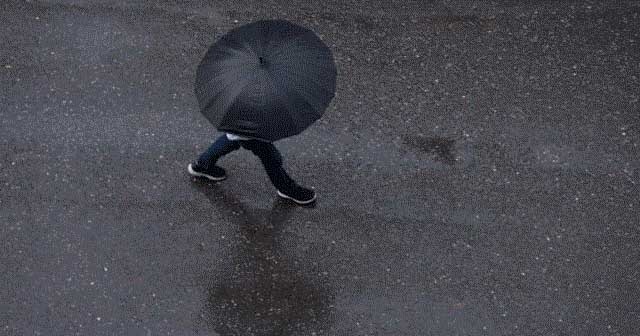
pixel 222 146
pixel 272 162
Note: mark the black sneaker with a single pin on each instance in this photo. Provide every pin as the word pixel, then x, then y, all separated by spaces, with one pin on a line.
pixel 300 195
pixel 215 174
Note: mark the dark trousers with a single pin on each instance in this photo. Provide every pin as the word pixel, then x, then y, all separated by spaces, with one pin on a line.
pixel 265 151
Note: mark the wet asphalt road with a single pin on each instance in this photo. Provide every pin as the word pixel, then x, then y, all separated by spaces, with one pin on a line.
pixel 477 174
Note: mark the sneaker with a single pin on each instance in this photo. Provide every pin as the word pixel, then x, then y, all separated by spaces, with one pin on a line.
pixel 299 195
pixel 216 173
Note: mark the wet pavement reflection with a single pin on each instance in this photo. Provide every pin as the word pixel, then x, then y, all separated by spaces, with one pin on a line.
pixel 260 290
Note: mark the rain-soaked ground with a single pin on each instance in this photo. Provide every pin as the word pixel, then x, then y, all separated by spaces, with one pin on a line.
pixel 477 174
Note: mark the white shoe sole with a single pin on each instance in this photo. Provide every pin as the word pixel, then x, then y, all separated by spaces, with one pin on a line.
pixel 299 202
pixel 195 173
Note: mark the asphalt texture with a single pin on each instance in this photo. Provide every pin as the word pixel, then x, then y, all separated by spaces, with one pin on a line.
pixel 477 174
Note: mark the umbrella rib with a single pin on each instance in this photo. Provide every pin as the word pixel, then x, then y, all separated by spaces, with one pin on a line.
pixel 287 49
pixel 223 74
pixel 290 76
pixel 232 51
pixel 304 99
pixel 320 60
pixel 283 100
pixel 295 79
pixel 236 93
pixel 219 91
pixel 216 79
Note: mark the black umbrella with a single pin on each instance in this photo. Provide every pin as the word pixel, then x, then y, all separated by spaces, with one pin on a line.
pixel 267 80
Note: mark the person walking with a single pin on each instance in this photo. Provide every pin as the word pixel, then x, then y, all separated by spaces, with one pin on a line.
pixel 268 154
pixel 261 82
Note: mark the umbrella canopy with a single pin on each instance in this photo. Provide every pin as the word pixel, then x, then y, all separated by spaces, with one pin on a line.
pixel 267 80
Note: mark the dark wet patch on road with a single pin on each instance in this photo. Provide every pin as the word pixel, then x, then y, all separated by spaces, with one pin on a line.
pixel 259 290
pixel 266 301
pixel 442 148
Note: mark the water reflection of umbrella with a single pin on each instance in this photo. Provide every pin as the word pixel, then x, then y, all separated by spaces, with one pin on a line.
pixel 268 80
pixel 257 289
